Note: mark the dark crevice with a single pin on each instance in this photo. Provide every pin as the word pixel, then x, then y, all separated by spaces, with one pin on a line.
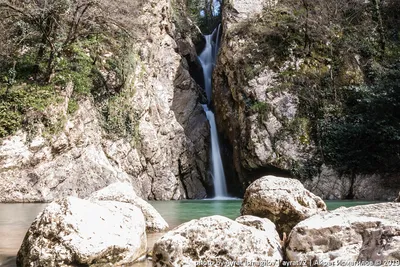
pixel 182 178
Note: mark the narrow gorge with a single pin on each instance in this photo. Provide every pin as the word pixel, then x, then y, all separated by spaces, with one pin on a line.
pixel 134 103
pixel 173 133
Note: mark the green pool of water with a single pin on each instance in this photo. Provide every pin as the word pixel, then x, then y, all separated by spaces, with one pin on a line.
pixel 177 212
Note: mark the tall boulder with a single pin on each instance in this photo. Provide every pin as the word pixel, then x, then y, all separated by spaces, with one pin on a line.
pixel 284 201
pixel 217 241
pixel 368 233
pixel 76 232
pixel 123 192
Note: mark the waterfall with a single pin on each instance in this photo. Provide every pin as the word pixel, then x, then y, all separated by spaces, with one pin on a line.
pixel 207 60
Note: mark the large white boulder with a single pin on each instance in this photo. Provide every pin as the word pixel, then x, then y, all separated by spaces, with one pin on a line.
pixel 348 235
pixel 77 232
pixel 124 192
pixel 217 241
pixel 284 201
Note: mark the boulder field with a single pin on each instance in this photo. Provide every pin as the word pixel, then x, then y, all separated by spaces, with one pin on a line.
pixel 109 229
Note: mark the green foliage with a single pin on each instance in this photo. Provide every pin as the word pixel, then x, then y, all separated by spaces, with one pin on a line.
pixel 10 120
pixel 25 97
pixel 10 78
pixel 367 138
pixel 22 105
pixel 300 127
pixel 76 67
pixel 262 109
pixel 209 21
pixel 73 106
pixel 120 119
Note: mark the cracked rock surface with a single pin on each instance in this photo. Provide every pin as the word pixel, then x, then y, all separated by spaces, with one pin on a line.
pixel 284 201
pixel 360 233
pixel 217 240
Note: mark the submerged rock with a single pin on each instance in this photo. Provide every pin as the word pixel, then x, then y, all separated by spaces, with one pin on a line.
pixel 214 241
pixel 361 233
pixel 282 200
pixel 123 192
pixel 76 232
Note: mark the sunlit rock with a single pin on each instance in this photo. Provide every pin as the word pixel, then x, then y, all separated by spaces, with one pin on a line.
pixel 369 234
pixel 123 192
pixel 284 201
pixel 76 232
pixel 216 240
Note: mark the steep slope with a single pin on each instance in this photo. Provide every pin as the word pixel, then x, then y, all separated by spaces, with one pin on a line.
pixel 152 134
pixel 299 89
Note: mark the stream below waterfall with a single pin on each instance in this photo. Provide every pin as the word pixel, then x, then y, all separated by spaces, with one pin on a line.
pixel 15 220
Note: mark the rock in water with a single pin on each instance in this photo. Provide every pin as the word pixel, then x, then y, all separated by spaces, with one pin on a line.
pixel 397 199
pixel 76 232
pixel 362 233
pixel 123 192
pixel 217 241
pixel 282 200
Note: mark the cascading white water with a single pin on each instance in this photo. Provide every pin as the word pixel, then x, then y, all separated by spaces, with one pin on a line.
pixel 207 60
pixel 216 162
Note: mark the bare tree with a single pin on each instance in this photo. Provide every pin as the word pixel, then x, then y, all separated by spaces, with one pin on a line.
pixel 50 26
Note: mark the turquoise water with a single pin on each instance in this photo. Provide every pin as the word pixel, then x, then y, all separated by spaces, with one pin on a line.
pixel 334 204
pixel 178 212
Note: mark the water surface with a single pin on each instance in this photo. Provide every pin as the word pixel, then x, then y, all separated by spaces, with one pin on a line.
pixel 15 219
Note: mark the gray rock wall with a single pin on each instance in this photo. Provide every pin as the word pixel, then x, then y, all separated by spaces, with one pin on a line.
pixel 253 116
pixel 260 116
pixel 169 159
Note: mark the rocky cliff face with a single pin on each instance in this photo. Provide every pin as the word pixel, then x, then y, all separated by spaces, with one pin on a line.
pixel 264 81
pixel 252 115
pixel 166 159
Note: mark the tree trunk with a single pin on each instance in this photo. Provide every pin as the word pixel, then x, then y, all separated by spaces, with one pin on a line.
pixel 379 21
pixel 50 66
pixel 307 40
pixel 43 42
